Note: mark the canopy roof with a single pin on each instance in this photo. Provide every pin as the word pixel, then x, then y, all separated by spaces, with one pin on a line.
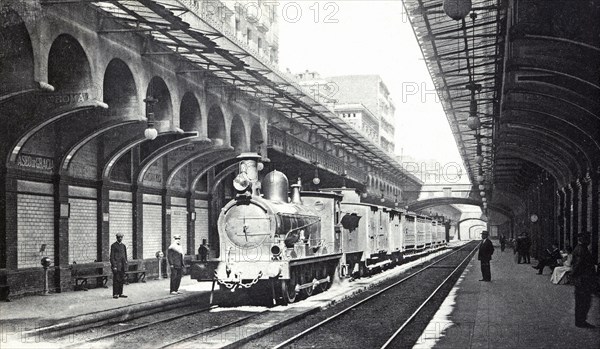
pixel 178 27
pixel 537 68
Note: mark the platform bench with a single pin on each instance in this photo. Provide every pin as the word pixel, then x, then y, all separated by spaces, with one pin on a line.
pixel 136 275
pixel 82 274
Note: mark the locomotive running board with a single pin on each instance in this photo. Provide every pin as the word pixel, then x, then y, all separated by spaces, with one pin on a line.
pixel 309 260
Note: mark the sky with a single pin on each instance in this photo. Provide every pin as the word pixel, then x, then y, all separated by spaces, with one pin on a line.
pixel 352 37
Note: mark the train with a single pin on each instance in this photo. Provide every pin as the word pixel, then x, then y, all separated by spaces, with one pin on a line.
pixel 298 242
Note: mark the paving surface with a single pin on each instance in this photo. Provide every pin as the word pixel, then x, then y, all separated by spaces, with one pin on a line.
pixel 518 309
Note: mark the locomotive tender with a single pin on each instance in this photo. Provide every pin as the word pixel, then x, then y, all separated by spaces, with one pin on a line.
pixel 300 244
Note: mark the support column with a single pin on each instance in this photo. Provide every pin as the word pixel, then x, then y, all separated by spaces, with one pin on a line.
pixel 595 185
pixel 103 223
pixel 62 276
pixel 166 220
pixel 560 214
pixel 191 225
pixel 137 204
pixel 576 209
pixel 568 215
pixel 8 249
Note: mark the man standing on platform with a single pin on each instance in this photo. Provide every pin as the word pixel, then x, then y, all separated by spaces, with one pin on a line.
pixel 175 259
pixel 583 274
pixel 486 249
pixel 118 264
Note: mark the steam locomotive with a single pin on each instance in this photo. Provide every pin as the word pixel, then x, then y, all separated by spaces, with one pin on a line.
pixel 298 245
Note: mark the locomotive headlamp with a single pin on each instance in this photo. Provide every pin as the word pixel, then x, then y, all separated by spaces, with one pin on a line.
pixel 276 250
pixel 241 182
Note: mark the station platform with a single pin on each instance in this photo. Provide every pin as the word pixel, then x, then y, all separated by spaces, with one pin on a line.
pixel 517 309
pixel 23 321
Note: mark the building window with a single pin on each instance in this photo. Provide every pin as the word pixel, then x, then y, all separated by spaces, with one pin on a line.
pixel 248 36
pixel 259 40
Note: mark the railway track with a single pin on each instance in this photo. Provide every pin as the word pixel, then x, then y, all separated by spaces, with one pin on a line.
pixel 214 327
pixel 373 321
pixel 263 330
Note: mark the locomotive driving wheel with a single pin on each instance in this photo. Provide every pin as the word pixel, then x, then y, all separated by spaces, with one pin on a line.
pixel 288 290
pixel 322 275
pixel 306 277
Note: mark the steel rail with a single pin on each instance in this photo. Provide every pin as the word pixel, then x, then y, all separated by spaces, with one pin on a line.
pixel 139 327
pixel 210 330
pixel 416 312
pixel 333 317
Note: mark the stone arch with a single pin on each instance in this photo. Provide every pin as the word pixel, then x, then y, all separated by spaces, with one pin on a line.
pixel 238 134
pixel 163 108
pixel 190 118
pixel 120 92
pixel 216 124
pixel 68 66
pixel 17 53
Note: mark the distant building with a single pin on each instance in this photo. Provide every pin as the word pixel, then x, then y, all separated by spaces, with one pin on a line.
pixel 253 24
pixel 363 101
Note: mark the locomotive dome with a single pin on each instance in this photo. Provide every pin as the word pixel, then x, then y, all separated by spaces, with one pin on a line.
pixel 275 186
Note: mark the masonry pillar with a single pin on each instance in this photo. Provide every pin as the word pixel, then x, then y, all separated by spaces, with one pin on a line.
pixel 103 223
pixel 166 220
pixel 568 215
pixel 191 226
pixel 137 204
pixel 62 276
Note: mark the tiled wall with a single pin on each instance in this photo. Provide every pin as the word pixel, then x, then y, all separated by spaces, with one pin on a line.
pixel 35 226
pixel 83 231
pixel 152 230
pixel 121 221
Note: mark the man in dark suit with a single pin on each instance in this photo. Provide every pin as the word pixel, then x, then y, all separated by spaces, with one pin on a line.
pixel 583 274
pixel 175 259
pixel 118 263
pixel 486 249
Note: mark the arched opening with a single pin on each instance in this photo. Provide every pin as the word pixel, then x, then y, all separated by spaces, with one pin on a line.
pixel 189 114
pixel 68 66
pixel 120 91
pixel 216 123
pixel 162 109
pixel 238 134
pixel 16 70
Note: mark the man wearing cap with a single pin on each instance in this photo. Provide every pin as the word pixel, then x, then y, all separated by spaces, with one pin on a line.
pixel 118 264
pixel 486 249
pixel 584 278
pixel 175 259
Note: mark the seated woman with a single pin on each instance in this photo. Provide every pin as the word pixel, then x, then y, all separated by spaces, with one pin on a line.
pixel 559 272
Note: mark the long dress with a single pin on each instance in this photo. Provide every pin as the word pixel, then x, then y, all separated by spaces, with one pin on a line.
pixel 559 272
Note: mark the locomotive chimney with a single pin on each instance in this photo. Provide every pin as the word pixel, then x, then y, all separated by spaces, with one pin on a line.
pixel 296 199
pixel 248 172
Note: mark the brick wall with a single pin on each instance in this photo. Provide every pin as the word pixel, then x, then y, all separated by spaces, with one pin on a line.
pixel 152 228
pixel 121 221
pixel 35 226
pixel 83 231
